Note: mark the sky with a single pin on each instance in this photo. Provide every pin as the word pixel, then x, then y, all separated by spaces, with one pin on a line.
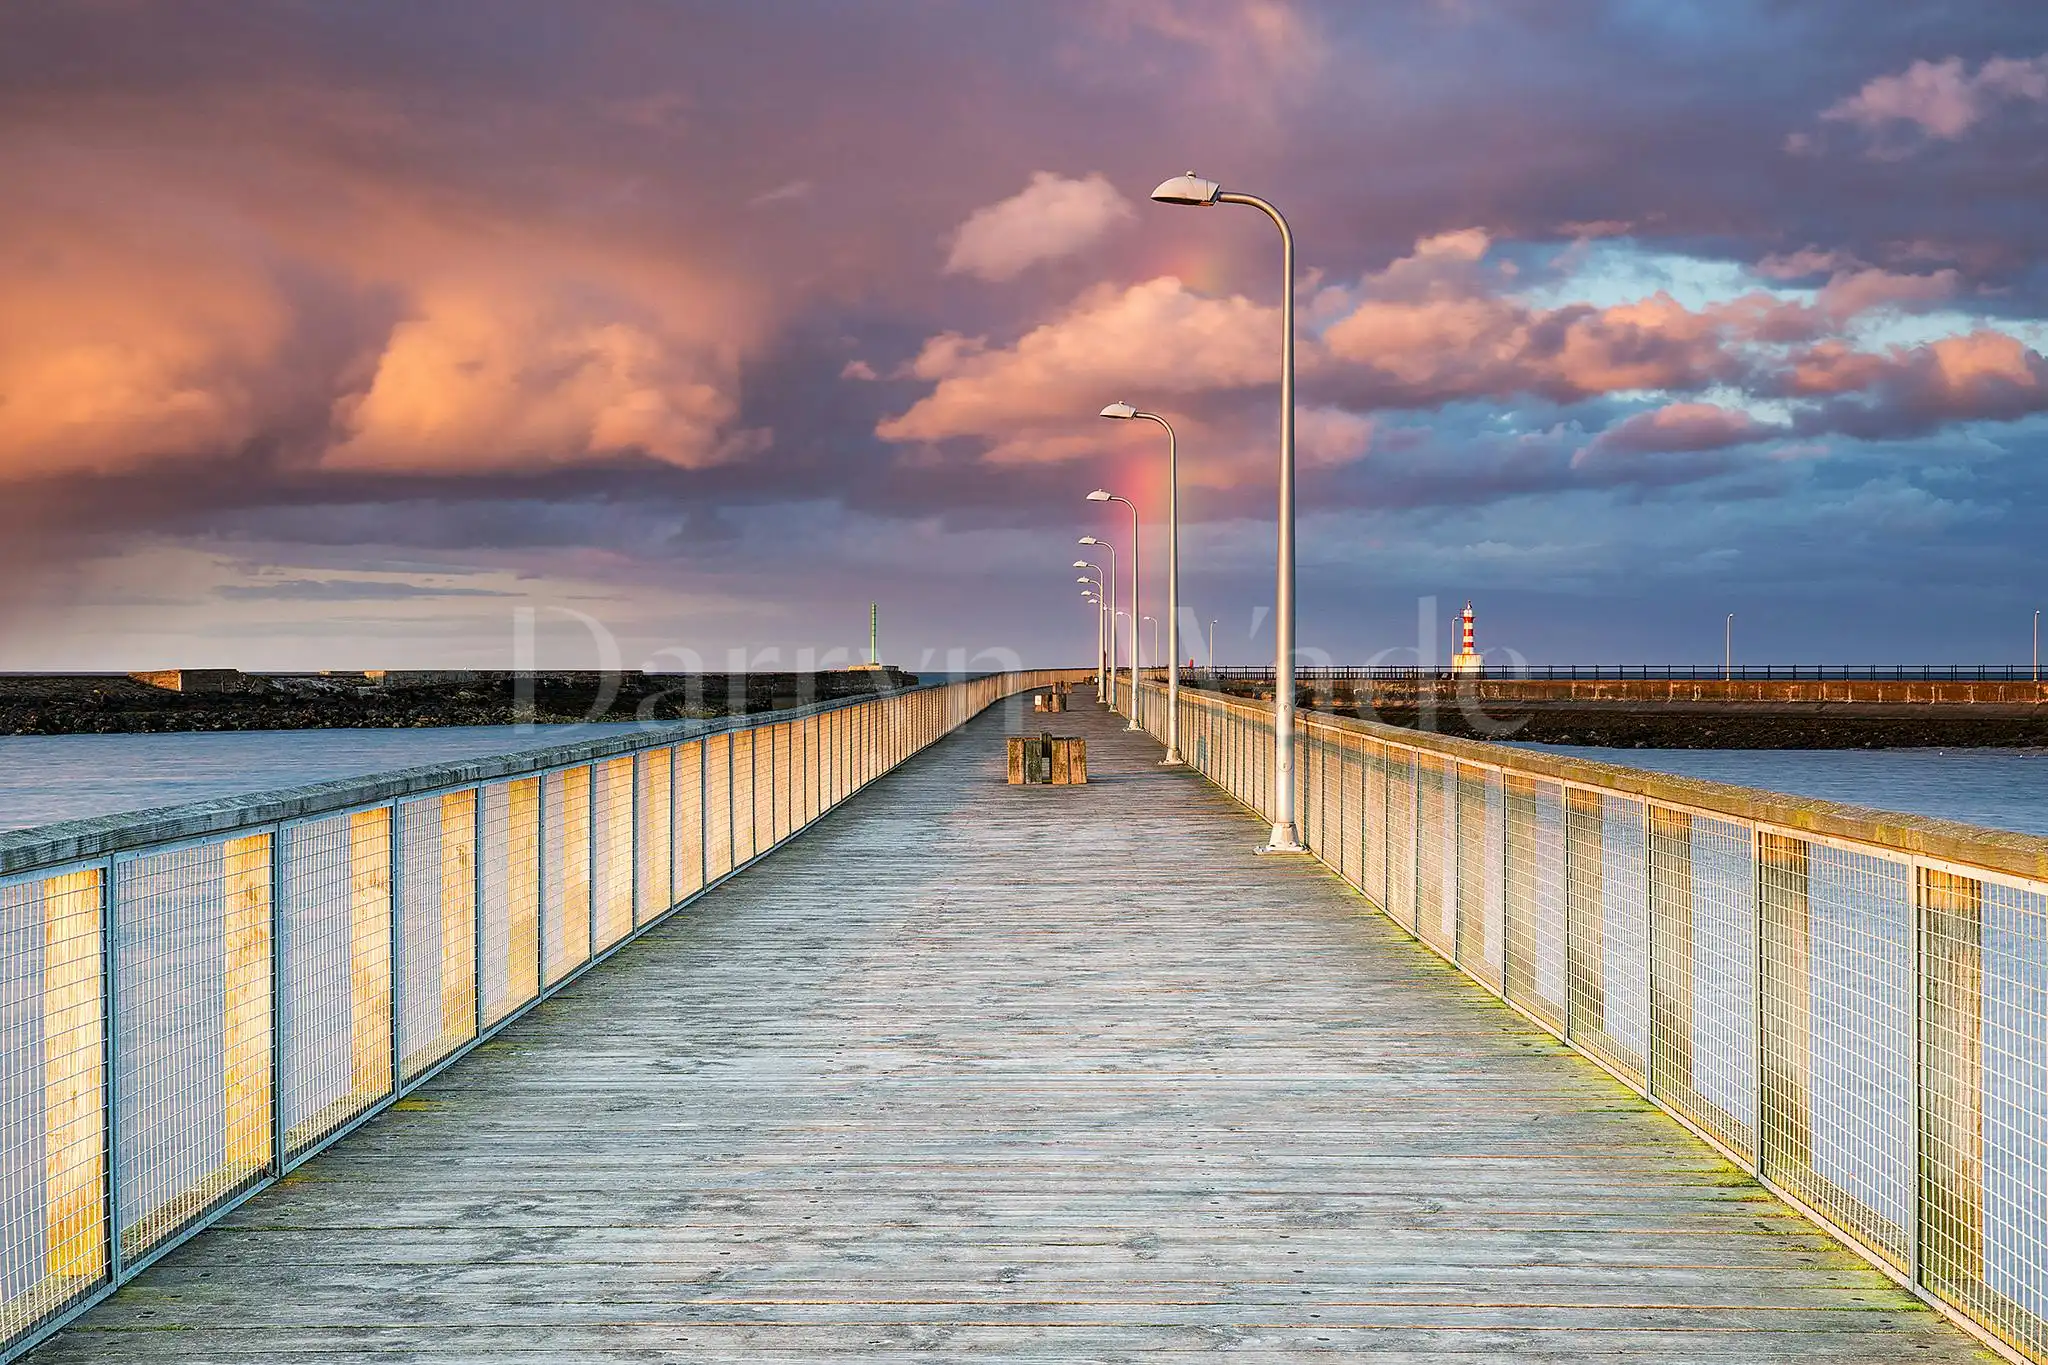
pixel 647 333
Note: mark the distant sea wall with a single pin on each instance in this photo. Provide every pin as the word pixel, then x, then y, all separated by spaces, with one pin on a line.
pixel 224 699
pixel 1704 714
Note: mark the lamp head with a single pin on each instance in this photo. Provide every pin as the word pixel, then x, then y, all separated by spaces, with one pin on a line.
pixel 1099 495
pixel 1187 189
pixel 1121 411
pixel 1083 564
pixel 1090 540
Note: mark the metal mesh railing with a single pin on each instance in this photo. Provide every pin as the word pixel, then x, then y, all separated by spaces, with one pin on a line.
pixel 197 1002
pixel 1852 1008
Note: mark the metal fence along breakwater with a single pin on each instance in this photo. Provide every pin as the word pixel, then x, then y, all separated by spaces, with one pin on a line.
pixel 1851 1006
pixel 197 1000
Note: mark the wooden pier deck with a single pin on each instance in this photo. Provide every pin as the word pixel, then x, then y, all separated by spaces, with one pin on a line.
pixel 972 1071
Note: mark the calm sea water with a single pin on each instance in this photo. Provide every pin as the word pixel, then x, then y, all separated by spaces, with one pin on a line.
pixel 65 777
pixel 1999 788
pixel 62 777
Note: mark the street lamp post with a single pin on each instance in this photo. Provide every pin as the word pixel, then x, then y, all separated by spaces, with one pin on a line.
pixel 1087 585
pixel 1728 649
pixel 1100 495
pixel 1212 648
pixel 2037 645
pixel 1094 597
pixel 1155 640
pixel 1099 643
pixel 1192 190
pixel 1124 412
pixel 1111 607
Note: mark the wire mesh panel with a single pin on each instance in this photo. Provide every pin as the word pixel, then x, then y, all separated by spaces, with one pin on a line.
pixel 770 763
pixel 1351 811
pixel 1435 827
pixel 654 823
pixel 565 912
pixel 1478 874
pixel 838 755
pixel 611 852
pixel 1990 1253
pixel 1308 801
pixel 436 928
pixel 718 806
pixel 192 1037
pixel 743 828
pixel 53 1158
pixel 1702 885
pixel 1237 740
pixel 1838 1052
pixel 690 812
pixel 1258 752
pixel 1373 823
pixel 509 965
pixel 336 973
pixel 1607 915
pixel 1535 898
pixel 1231 730
pixel 790 812
pixel 807 770
pixel 1400 768
pixel 1328 793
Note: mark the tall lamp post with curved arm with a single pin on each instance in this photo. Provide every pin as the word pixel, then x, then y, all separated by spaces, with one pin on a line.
pixel 1102 495
pixel 1093 597
pixel 1101 642
pixel 1110 607
pixel 1192 190
pixel 1124 412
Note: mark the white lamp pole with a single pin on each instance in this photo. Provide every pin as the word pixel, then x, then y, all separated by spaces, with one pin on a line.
pixel 1099 647
pixel 1193 190
pixel 1109 606
pixel 1212 648
pixel 1728 649
pixel 1137 600
pixel 2037 646
pixel 1125 412
pixel 1094 598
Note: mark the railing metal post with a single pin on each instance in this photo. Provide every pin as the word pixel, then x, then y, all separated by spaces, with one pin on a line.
pixel 110 1063
pixel 540 899
pixel 1760 1001
pixel 592 784
pixel 394 892
pixel 1915 1071
pixel 1650 952
pixel 633 876
pixel 476 915
pixel 279 1041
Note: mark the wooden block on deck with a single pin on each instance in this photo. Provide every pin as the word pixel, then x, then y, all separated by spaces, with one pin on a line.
pixel 1047 759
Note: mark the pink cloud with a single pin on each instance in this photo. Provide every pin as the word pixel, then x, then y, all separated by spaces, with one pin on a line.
pixel 1808 260
pixel 487 381
pixel 1910 390
pixel 1678 427
pixel 1326 437
pixel 1049 218
pixel 1942 99
pixel 1153 341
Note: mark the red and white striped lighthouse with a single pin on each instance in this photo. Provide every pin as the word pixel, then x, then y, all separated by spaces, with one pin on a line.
pixel 1467 659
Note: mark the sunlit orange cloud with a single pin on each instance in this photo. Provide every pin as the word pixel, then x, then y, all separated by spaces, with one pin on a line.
pixel 160 304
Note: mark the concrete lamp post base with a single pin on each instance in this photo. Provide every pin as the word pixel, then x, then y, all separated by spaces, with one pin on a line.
pixel 1282 840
